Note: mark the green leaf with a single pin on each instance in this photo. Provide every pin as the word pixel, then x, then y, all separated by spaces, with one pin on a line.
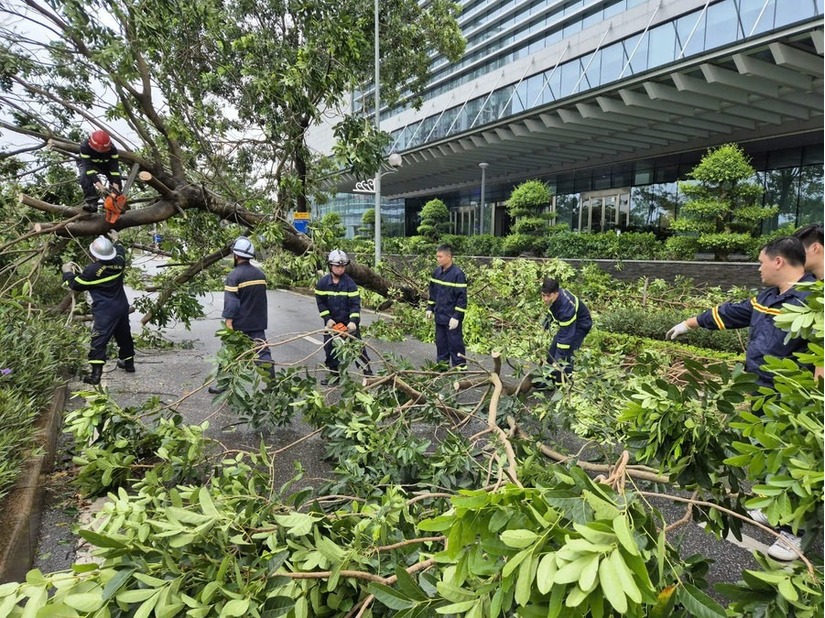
pixel 100 540
pixel 298 524
pixel 86 602
pixel 587 579
pixel 611 587
pixel 456 608
pixel 408 586
pixel 524 582
pixel 235 607
pixel 135 596
pixel 206 503
pixel 697 603
pixel 519 539
pixel 546 572
pixel 116 582
pixel 625 536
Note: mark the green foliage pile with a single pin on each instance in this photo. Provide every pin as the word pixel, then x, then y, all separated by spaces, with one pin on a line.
pixel 405 530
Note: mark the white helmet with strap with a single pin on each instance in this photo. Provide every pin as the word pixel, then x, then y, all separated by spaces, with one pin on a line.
pixel 103 249
pixel 337 258
pixel 242 247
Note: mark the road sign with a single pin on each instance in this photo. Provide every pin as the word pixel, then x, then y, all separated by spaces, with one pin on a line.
pixel 300 221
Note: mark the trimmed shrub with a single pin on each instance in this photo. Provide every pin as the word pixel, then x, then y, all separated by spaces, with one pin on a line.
pixel 482 244
pixel 654 323
pixel 516 244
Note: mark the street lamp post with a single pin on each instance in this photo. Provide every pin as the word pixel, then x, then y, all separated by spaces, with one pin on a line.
pixel 483 167
pixel 377 128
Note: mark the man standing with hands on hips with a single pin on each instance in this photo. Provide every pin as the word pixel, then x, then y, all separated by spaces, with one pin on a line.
pixel 448 304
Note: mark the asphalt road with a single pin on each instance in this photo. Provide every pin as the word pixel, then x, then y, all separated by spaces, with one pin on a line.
pixel 182 375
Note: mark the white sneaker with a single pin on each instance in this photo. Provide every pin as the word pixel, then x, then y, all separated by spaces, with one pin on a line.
pixel 783 547
pixel 759 517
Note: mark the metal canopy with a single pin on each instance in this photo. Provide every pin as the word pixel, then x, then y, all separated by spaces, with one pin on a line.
pixel 771 89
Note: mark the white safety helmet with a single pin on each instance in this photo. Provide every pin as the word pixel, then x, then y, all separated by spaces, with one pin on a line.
pixel 337 258
pixel 102 248
pixel 242 247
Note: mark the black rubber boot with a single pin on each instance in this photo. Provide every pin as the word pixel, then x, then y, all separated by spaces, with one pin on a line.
pixel 215 390
pixel 94 377
pixel 127 365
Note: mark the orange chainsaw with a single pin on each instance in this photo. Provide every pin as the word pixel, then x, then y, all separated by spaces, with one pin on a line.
pixel 340 327
pixel 113 206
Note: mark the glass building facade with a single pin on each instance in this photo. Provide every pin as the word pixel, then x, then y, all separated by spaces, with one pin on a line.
pixel 636 193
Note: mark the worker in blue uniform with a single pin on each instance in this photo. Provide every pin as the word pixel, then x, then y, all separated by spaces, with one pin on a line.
pixel 781 267
pixel 574 322
pixel 103 279
pixel 339 302
pixel 98 156
pixel 244 302
pixel 447 304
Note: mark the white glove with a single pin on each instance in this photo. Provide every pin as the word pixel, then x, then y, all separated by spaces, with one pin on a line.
pixel 330 323
pixel 351 327
pixel 428 315
pixel 68 267
pixel 677 331
pixel 453 324
pixel 112 235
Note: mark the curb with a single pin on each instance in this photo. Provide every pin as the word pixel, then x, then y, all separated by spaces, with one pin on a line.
pixel 23 504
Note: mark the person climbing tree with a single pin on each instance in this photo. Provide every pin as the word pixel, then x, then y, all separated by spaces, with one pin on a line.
pixel 98 156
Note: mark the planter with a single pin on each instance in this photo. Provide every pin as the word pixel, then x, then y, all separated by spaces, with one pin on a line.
pixel 20 515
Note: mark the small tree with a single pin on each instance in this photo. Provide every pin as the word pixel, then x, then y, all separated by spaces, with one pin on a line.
pixel 722 209
pixel 525 205
pixel 367 229
pixel 332 223
pixel 435 219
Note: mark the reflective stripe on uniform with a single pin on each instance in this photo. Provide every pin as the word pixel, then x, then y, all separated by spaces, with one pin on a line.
pixel 461 309
pixel 718 318
pixel 99 281
pixel 763 308
pixel 246 284
pixel 447 283
pixel 325 293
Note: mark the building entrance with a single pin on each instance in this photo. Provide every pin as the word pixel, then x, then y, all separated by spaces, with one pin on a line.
pixel 601 211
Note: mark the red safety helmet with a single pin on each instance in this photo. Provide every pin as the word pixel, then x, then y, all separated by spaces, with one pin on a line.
pixel 100 141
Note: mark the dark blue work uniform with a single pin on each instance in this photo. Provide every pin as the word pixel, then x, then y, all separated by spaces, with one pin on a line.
pixel 244 302
pixel 448 299
pixel 341 303
pixel 764 337
pixel 110 307
pixel 93 163
pixel 573 319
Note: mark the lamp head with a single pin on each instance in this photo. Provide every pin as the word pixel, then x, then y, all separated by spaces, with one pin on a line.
pixel 484 166
pixel 395 160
